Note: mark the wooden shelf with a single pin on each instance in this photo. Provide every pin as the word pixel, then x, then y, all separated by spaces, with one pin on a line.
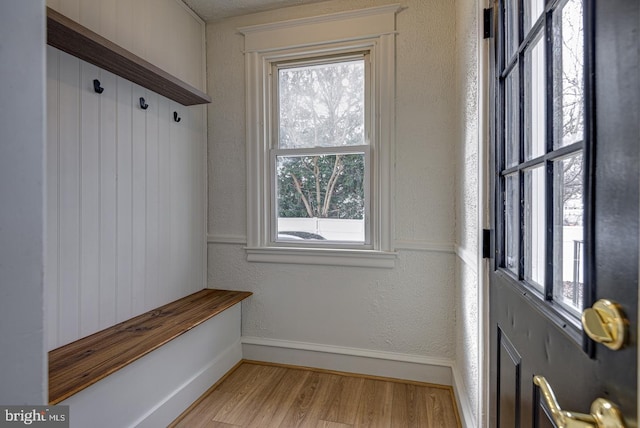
pixel 69 36
pixel 82 363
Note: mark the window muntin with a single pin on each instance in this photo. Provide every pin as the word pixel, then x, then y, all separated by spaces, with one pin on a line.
pixel 320 153
pixel 543 138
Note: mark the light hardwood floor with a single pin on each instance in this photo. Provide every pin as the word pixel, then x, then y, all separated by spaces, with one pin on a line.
pixel 264 395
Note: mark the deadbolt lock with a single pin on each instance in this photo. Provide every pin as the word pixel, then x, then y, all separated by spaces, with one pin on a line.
pixel 605 323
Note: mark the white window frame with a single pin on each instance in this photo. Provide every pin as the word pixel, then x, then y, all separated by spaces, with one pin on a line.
pixel 364 149
pixel 368 30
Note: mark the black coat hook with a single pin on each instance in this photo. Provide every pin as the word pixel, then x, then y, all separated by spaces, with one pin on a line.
pixel 175 117
pixel 143 104
pixel 96 86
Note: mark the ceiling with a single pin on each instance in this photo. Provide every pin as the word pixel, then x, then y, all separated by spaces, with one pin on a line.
pixel 214 10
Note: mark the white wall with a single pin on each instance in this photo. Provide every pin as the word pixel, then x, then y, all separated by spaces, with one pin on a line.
pixel 23 378
pixel 126 188
pixel 164 32
pixel 408 310
pixel 467 212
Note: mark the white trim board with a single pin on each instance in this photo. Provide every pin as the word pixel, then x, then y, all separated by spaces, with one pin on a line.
pixel 351 360
pixel 399 244
pixel 462 400
pixel 427 246
pixel 227 239
pixel 348 25
pixel 326 257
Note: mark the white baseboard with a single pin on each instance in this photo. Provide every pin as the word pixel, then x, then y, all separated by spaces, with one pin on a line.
pixel 462 400
pixel 154 390
pixel 352 360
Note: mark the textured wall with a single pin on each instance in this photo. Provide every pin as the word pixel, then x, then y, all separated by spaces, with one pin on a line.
pixel 467 333
pixel 408 309
pixel 467 199
pixel 393 310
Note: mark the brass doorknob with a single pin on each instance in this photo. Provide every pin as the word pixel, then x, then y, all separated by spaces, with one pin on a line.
pixel 604 414
pixel 605 323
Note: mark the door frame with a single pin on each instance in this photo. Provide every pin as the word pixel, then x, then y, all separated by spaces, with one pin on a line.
pixel 485 191
pixel 484 167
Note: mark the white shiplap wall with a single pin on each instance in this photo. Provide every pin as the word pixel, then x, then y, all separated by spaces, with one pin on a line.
pixel 126 199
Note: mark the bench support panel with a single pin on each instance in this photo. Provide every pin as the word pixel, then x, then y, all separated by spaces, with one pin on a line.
pixel 153 390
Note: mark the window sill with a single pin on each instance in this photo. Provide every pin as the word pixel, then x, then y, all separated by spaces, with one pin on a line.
pixel 322 256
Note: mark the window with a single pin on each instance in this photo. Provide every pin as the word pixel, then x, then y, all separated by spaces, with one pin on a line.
pixel 544 140
pixel 320 133
pixel 320 156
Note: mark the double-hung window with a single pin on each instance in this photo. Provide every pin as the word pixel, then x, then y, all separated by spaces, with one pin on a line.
pixel 320 132
pixel 320 156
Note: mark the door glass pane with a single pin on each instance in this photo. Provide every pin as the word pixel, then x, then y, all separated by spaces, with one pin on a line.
pixel 568 232
pixel 568 74
pixel 512 118
pixel 512 223
pixel 321 198
pixel 535 100
pixel 534 227
pixel 532 11
pixel 511 28
pixel 322 105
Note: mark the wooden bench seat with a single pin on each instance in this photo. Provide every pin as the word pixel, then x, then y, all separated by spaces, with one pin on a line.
pixel 82 363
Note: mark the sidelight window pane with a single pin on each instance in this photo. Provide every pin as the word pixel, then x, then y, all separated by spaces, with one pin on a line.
pixel 511 27
pixel 535 100
pixel 532 11
pixel 534 227
pixel 512 119
pixel 568 74
pixel 568 231
pixel 512 223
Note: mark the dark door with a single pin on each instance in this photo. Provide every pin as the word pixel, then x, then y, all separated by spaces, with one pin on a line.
pixel 566 206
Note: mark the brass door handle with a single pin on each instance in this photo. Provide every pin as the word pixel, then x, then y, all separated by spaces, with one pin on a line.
pixel 604 414
pixel 605 323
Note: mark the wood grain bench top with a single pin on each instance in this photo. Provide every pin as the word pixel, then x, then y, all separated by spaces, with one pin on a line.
pixel 82 363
